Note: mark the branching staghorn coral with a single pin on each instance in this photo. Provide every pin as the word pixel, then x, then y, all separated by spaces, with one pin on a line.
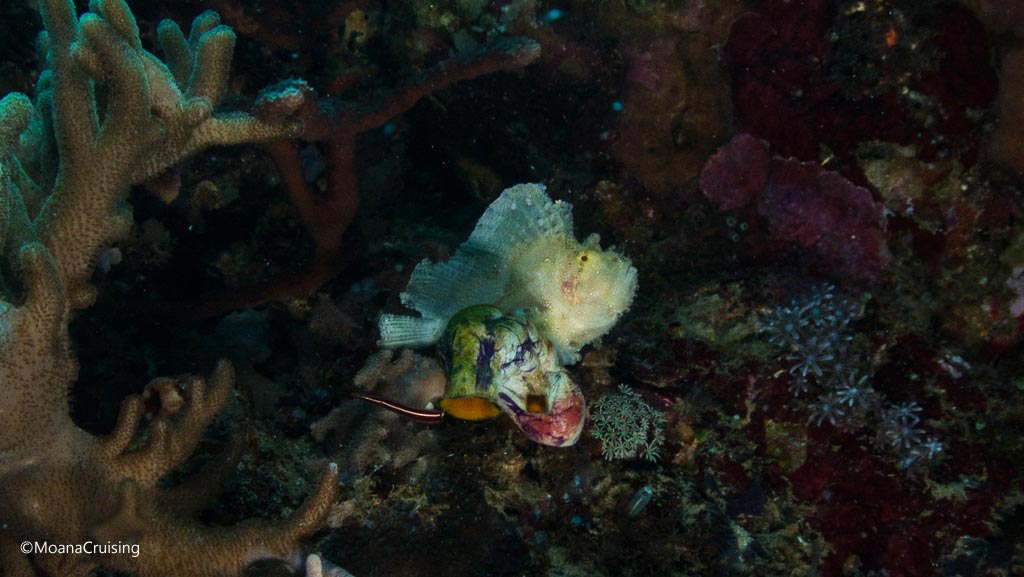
pixel 108 114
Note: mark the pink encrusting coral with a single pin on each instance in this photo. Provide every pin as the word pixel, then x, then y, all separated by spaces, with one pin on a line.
pixel 804 209
pixel 737 174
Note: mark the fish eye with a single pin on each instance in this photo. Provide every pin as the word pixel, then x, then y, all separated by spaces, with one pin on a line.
pixel 583 257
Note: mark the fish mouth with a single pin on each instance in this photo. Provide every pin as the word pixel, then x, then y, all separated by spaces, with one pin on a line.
pixel 470 408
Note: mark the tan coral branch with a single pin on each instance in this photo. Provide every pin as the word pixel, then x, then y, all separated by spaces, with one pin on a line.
pixel 67 162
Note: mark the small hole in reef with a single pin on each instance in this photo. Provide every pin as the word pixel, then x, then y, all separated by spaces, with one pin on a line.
pixel 268 568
